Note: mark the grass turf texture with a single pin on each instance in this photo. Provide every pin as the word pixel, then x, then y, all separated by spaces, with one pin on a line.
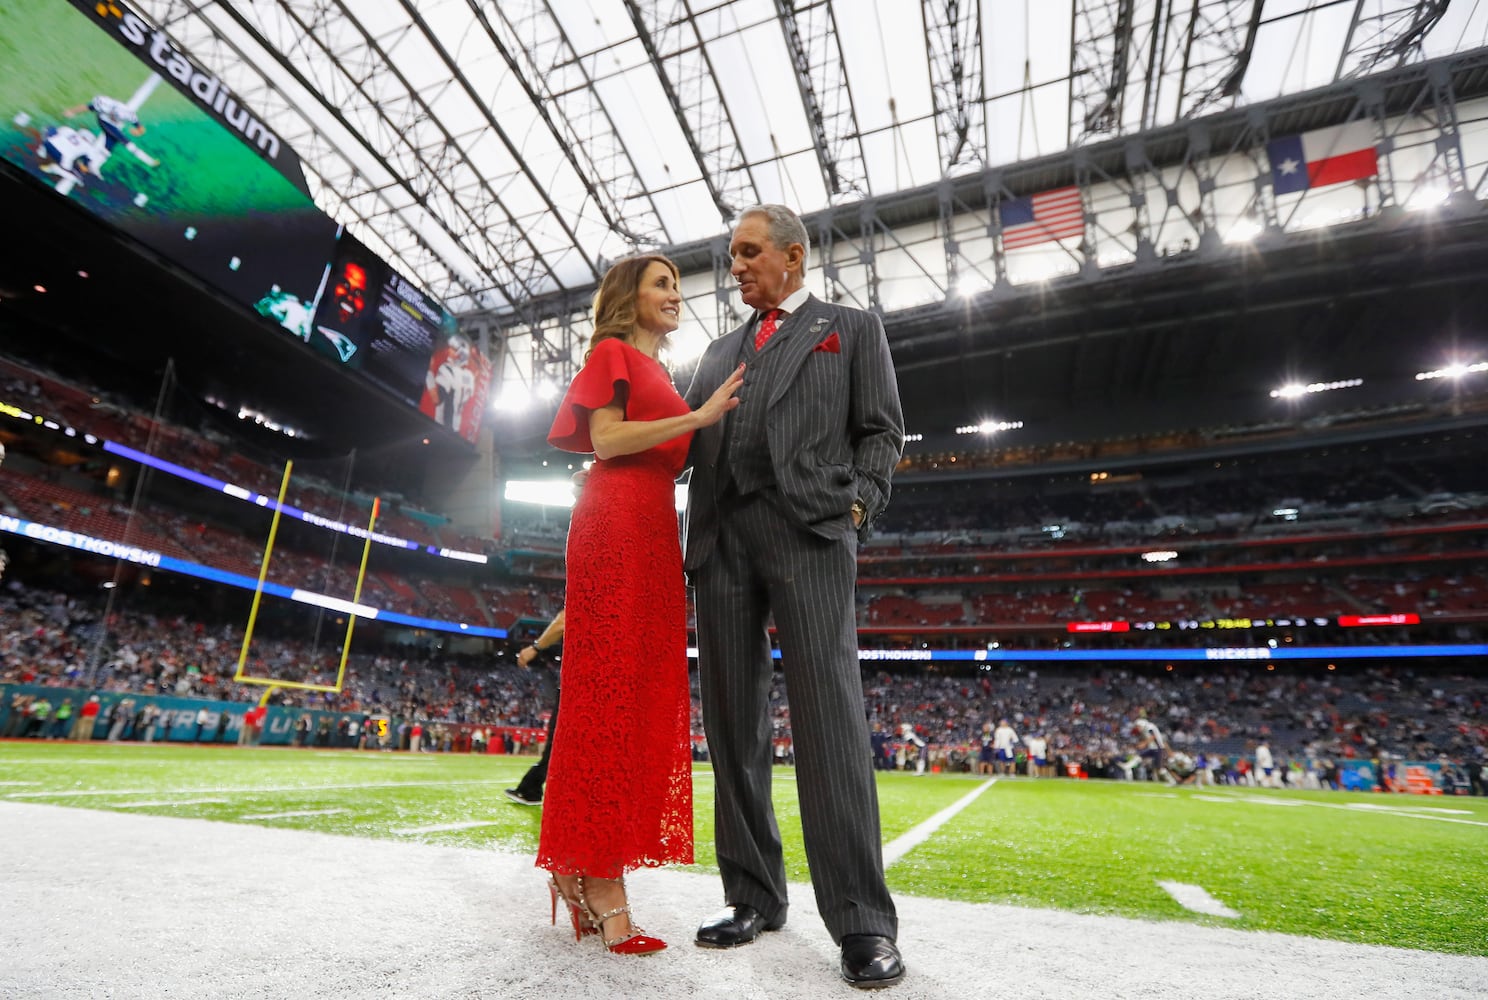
pixel 1393 870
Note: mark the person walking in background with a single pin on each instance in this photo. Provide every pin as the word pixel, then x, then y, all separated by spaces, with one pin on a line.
pixel 41 712
pixel 921 747
pixel 1152 747
pixel 62 721
pixel 1265 766
pixel 621 769
pixel 781 493
pixel 985 751
pixel 82 729
pixel 529 791
pixel 1038 751
pixel 1004 748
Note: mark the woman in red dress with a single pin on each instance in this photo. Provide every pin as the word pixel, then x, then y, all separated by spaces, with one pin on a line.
pixel 620 777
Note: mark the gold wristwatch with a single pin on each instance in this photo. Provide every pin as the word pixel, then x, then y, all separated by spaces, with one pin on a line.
pixel 860 511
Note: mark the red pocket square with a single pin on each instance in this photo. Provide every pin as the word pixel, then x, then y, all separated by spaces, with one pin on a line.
pixel 831 345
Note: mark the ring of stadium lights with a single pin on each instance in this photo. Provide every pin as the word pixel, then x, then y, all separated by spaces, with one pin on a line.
pixel 235 491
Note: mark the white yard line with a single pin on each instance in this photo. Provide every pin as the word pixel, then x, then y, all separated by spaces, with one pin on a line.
pixel 1377 808
pixel 265 789
pixel 178 802
pixel 10 783
pixel 1197 899
pixel 1255 800
pixel 907 842
pixel 410 831
pixel 292 815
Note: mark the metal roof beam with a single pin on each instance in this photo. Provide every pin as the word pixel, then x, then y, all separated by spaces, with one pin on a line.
pixel 683 67
pixel 953 50
pixel 431 173
pixel 821 76
pixel 582 128
pixel 1390 36
pixel 190 29
pixel 451 143
pixel 1220 45
pixel 1099 58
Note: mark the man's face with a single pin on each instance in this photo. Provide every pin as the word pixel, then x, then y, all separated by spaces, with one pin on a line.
pixel 765 273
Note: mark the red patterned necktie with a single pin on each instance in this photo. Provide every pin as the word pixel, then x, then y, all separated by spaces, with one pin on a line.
pixel 766 328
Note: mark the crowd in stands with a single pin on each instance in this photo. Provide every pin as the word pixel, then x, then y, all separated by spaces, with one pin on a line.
pixel 1377 528
pixel 968 554
pixel 53 639
pixel 103 414
pixel 1086 713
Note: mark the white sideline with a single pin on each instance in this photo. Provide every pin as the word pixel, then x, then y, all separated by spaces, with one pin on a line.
pixel 906 842
pixel 113 903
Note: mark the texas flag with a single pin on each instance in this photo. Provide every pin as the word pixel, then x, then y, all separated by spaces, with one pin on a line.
pixel 1317 159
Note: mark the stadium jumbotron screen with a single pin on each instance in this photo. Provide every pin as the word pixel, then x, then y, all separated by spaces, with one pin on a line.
pixel 111 116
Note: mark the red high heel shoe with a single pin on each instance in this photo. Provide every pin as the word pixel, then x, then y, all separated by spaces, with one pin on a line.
pixel 637 942
pixel 583 921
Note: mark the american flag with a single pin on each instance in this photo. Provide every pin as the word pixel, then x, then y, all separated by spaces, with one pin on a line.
pixel 1039 218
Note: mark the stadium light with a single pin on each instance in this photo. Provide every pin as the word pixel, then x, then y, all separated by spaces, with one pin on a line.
pixel 560 493
pixel 990 427
pixel 1296 390
pixel 513 399
pixel 545 492
pixel 683 347
pixel 1455 370
pixel 1244 231
pixel 1427 197
pixel 969 286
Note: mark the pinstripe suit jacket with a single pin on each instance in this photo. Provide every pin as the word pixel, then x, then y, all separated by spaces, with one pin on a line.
pixel 835 427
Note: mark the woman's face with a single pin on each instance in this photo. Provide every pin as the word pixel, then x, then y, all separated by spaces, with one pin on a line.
pixel 658 302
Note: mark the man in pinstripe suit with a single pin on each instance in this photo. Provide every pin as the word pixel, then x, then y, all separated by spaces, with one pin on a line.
pixel 781 489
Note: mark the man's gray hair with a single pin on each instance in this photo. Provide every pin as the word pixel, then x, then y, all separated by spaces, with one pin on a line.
pixel 784 228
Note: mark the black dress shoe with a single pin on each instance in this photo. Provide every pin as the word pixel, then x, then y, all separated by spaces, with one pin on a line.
pixel 733 926
pixel 515 794
pixel 871 961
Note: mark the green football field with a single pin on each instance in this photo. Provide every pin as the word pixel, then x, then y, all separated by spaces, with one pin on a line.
pixel 1394 870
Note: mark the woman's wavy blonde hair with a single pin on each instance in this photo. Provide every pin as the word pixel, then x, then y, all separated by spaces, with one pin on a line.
pixel 615 302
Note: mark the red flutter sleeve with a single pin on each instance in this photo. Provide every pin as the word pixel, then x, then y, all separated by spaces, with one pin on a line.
pixel 598 384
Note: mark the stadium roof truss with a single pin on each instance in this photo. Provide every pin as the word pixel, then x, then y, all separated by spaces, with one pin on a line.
pixel 502 153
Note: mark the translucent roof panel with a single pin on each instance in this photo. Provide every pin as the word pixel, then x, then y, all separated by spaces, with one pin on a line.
pixel 501 153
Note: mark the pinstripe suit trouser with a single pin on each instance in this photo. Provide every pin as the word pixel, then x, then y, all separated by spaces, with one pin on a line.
pixel 765 561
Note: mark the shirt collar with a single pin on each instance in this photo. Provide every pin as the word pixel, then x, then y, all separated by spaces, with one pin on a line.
pixel 793 302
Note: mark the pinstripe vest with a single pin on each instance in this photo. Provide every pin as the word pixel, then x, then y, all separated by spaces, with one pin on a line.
pixel 746 450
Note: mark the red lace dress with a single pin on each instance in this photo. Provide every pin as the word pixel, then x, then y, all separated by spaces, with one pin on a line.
pixel 619 789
